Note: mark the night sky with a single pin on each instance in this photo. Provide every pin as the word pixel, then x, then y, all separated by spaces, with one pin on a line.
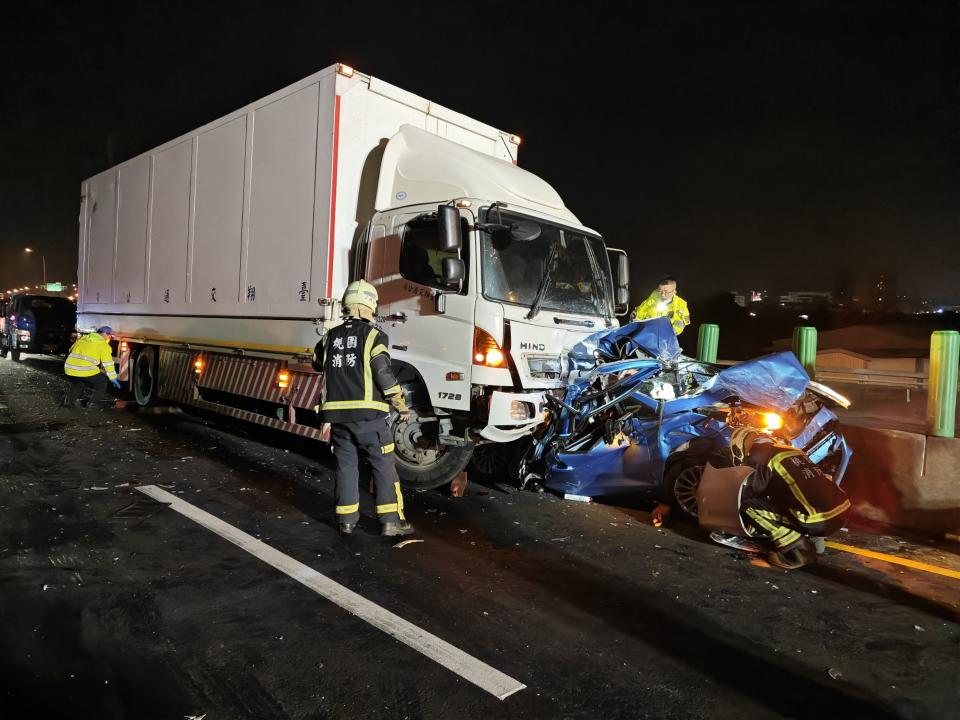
pixel 732 144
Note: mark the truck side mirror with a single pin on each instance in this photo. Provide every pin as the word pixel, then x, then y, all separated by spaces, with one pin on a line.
pixel 453 272
pixel 620 267
pixel 449 226
pixel 623 270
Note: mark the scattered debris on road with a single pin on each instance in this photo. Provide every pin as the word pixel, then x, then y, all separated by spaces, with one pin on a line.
pixel 404 543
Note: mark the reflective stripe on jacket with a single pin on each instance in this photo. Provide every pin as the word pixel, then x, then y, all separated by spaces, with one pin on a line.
pixel 355 389
pixel 87 355
pixel 676 311
pixel 800 495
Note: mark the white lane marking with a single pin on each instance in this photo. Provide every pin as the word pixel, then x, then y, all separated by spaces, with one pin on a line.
pixel 466 666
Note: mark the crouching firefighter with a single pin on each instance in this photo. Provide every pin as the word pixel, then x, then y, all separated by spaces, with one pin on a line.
pixel 787 500
pixel 359 388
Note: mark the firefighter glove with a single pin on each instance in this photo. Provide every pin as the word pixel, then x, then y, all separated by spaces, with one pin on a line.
pixel 400 405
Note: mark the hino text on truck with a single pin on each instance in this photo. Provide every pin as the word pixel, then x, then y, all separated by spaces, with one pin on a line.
pixel 219 258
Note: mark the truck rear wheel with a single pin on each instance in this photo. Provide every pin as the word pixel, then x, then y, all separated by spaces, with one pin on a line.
pixel 422 462
pixel 145 377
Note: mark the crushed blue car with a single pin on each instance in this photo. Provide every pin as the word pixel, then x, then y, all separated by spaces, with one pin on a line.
pixel 639 418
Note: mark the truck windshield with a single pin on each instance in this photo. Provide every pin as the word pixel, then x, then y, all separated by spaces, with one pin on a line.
pixel 513 269
pixel 49 307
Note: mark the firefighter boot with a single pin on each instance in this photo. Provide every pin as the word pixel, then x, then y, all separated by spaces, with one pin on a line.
pixel 396 528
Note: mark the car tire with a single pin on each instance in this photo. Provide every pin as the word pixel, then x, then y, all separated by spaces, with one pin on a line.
pixel 680 486
pixel 144 379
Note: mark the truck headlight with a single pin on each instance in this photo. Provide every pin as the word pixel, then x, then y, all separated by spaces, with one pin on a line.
pixel 544 368
pixel 486 351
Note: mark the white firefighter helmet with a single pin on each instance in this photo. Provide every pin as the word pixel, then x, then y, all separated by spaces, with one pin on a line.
pixel 360 292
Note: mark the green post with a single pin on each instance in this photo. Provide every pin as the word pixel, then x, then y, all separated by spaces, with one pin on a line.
pixel 707 342
pixel 805 348
pixel 942 383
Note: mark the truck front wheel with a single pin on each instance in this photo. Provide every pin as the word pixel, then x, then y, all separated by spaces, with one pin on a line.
pixel 422 462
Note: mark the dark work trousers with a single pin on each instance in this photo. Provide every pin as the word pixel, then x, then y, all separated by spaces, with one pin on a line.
pixel 374 442
pixel 91 389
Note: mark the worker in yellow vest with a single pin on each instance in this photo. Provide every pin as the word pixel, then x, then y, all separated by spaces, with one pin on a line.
pixel 83 367
pixel 664 302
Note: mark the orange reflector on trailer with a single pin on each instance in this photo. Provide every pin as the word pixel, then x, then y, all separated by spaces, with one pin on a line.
pixel 283 379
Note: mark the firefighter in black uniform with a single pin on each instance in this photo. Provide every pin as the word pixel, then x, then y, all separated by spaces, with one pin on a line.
pixel 788 500
pixel 359 388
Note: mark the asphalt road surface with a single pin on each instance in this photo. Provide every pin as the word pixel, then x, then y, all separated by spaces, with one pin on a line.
pixel 113 605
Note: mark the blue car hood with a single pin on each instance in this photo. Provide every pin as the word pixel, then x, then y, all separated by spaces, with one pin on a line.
pixel 773 381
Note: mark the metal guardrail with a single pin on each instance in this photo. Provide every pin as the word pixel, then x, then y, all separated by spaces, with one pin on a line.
pixel 858 376
pixel 941 382
pixel 886 378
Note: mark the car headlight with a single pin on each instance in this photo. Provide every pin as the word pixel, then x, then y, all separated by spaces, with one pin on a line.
pixel 829 393
pixel 772 421
pixel 763 420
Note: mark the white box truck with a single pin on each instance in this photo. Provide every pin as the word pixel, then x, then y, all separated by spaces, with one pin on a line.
pixel 219 259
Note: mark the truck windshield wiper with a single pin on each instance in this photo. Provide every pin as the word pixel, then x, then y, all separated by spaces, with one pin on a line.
pixel 599 282
pixel 544 281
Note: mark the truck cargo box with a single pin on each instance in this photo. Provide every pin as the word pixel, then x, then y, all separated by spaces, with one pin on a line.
pixel 250 217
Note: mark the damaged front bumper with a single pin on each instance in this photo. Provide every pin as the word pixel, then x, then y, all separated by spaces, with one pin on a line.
pixel 513 415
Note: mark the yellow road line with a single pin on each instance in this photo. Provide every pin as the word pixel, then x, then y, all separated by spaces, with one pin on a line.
pixel 894 559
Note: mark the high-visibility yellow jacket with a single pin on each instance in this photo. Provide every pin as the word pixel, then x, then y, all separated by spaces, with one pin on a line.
pixel 86 356
pixel 676 311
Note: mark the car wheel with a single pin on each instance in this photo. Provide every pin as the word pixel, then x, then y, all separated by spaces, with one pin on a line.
pixel 681 485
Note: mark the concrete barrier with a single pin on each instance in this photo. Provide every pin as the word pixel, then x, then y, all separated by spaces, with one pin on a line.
pixel 904 479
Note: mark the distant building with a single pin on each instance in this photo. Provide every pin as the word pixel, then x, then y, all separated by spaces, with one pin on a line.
pixel 806 297
pixel 748 297
pixel 871 347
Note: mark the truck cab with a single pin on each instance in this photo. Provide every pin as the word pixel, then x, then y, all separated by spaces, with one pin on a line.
pixel 37 324
pixel 481 296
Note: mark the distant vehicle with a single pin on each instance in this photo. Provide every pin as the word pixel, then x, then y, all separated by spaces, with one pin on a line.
pixel 219 259
pixel 36 324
